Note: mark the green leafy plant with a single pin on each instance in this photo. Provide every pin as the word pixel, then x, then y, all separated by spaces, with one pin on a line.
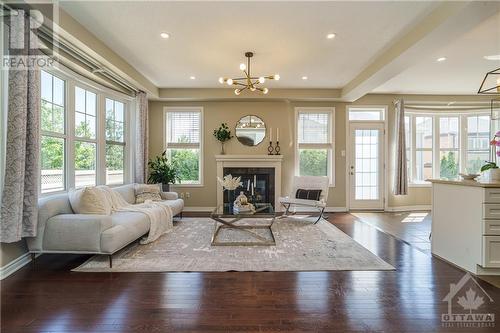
pixel 162 171
pixel 488 166
pixel 223 133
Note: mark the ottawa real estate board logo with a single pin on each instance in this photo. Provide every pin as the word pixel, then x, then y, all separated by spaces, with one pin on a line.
pixel 27 34
pixel 467 302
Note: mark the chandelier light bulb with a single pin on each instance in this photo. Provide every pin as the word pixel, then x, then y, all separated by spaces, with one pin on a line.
pixel 262 79
pixel 252 88
pixel 276 77
pixel 243 66
pixel 237 91
pixel 221 80
pixel 229 82
pixel 265 91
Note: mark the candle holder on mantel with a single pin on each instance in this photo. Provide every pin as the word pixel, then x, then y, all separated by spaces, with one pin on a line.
pixel 277 148
pixel 270 149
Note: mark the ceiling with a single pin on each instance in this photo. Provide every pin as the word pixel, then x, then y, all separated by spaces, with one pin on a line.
pixel 463 70
pixel 208 40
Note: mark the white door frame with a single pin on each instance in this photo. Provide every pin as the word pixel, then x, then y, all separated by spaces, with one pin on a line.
pixel 385 170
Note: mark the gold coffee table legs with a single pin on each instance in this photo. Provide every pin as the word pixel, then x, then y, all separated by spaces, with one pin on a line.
pixel 248 229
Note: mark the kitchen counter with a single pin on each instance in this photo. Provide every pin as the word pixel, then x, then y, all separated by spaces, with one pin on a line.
pixel 466 224
pixel 465 182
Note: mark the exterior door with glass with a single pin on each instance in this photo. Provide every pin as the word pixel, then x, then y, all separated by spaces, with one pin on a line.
pixel 366 166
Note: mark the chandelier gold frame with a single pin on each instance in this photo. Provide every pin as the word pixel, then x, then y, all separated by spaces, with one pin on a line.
pixel 248 82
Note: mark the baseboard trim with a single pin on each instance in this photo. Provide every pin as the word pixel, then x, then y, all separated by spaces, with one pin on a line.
pixel 408 208
pixel 301 209
pixel 15 265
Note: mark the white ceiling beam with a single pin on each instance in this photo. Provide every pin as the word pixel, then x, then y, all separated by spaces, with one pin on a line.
pixel 217 94
pixel 446 22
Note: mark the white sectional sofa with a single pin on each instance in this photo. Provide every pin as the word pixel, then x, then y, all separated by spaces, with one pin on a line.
pixel 60 230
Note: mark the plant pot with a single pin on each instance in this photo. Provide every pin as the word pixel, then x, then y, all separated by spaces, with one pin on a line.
pixel 495 175
pixel 165 187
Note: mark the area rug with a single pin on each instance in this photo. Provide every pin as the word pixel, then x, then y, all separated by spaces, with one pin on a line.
pixel 300 246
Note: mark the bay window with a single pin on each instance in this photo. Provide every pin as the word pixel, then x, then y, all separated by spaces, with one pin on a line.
pixel 315 144
pixel 442 145
pixel 183 142
pixel 80 126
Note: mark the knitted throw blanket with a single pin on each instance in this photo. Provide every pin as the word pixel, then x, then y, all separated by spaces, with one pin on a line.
pixel 159 213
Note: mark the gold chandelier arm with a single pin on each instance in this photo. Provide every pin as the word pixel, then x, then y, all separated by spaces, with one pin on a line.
pixel 239 84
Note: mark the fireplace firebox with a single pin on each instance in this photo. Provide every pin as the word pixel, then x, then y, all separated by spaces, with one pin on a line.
pixel 264 191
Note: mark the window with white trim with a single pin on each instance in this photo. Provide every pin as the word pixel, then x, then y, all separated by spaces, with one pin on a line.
pixel 115 142
pixel 314 142
pixel 53 133
pixel 478 142
pixel 183 142
pixel 85 137
pixel 363 113
pixel 442 145
pixel 77 131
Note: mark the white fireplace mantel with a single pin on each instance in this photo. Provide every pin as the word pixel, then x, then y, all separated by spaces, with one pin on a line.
pixel 250 161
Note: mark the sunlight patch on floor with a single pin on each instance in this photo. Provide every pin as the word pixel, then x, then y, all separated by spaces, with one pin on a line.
pixel 415 218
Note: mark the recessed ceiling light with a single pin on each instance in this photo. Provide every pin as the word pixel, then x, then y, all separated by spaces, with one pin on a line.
pixel 165 35
pixel 441 59
pixel 304 78
pixel 492 57
pixel 331 35
pixel 192 77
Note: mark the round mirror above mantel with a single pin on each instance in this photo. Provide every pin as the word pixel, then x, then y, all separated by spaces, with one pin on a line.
pixel 250 130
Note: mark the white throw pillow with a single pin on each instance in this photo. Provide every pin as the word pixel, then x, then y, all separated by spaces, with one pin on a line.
pixel 89 200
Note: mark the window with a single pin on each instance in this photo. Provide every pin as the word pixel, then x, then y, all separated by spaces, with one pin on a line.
pixel 315 146
pixel 443 145
pixel 76 135
pixel 478 139
pixel 115 142
pixel 366 114
pixel 53 140
pixel 85 137
pixel 183 133
pixel 448 147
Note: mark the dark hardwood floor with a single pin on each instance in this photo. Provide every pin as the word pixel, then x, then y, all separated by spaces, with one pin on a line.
pixel 409 299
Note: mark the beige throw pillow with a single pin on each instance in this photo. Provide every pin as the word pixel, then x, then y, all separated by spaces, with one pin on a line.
pixel 89 200
pixel 145 192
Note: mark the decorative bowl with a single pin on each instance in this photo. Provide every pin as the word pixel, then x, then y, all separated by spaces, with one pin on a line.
pixel 468 176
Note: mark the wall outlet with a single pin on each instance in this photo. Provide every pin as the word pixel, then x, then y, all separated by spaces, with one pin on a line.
pixel 188 195
pixel 182 195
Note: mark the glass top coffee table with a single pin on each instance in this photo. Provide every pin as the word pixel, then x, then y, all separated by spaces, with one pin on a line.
pixel 243 228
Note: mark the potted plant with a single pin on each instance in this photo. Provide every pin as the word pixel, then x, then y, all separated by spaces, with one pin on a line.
pixel 492 166
pixel 223 134
pixel 162 171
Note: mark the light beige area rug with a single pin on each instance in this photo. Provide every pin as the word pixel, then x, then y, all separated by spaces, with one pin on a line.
pixel 300 246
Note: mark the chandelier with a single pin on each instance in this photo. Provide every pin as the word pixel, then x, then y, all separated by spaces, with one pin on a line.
pixel 491 83
pixel 248 82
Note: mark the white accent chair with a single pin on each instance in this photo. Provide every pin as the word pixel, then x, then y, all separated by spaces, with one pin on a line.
pixel 307 183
